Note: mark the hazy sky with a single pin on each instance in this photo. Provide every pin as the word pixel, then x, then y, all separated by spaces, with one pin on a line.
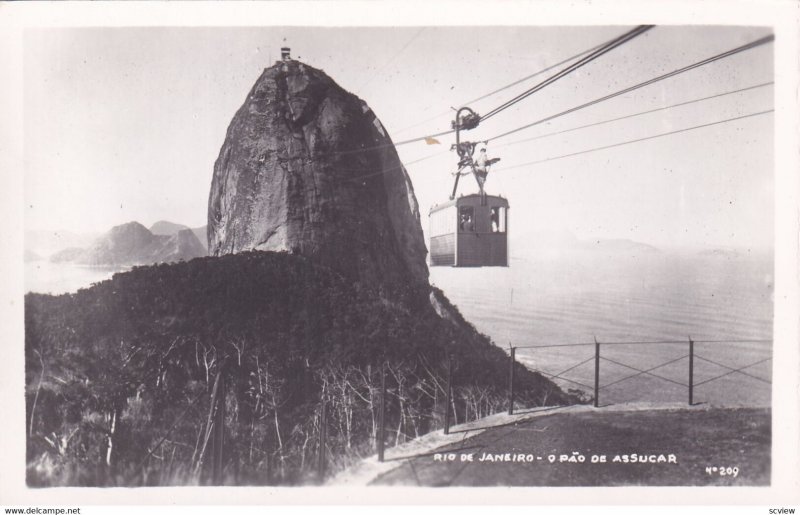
pixel 124 124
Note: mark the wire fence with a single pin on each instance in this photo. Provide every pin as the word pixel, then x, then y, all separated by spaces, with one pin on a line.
pixel 386 397
pixel 636 371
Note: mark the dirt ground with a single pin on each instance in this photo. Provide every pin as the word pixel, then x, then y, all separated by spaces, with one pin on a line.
pixel 715 447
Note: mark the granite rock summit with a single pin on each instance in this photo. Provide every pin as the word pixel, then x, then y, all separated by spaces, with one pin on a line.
pixel 307 167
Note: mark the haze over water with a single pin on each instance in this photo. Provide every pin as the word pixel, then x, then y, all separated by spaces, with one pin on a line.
pixel 617 297
pixel 573 297
pixel 57 278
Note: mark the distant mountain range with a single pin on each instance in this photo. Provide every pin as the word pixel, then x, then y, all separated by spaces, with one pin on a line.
pixel 621 244
pixel 165 228
pixel 722 252
pixel 134 244
pixel 45 243
pixel 563 242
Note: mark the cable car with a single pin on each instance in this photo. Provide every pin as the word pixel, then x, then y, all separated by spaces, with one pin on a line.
pixel 471 230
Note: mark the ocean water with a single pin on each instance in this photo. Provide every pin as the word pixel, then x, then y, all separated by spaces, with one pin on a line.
pixel 57 278
pixel 722 301
pixel 572 299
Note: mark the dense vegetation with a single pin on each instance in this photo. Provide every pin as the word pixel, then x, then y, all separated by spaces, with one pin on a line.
pixel 119 376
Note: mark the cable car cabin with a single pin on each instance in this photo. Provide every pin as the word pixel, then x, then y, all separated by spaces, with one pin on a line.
pixel 468 232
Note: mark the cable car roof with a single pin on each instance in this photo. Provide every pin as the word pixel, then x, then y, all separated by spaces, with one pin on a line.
pixel 472 200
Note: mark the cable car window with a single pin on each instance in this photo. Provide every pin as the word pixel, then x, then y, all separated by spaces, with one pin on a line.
pixel 466 218
pixel 497 219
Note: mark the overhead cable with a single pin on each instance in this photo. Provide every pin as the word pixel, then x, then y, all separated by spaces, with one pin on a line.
pixel 507 86
pixel 391 60
pixel 605 48
pixel 602 49
pixel 603 122
pixel 673 73
pixel 634 140
pixel 709 60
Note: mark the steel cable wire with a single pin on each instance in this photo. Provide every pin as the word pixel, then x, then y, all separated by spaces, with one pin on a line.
pixel 650 111
pixel 638 140
pixel 605 48
pixel 733 372
pixel 645 372
pixel 723 55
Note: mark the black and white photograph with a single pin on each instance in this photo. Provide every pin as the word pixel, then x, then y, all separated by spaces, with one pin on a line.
pixel 325 256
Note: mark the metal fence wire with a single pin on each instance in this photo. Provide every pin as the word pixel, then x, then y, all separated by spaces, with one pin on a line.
pixel 215 424
pixel 597 357
pixel 638 371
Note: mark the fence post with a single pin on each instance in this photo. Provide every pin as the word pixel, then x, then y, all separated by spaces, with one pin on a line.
pixel 323 437
pixel 691 371
pixel 596 373
pixel 448 394
pixel 382 415
pixel 512 359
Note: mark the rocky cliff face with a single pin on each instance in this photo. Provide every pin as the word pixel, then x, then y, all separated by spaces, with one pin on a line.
pixel 306 167
pixel 182 246
pixel 166 228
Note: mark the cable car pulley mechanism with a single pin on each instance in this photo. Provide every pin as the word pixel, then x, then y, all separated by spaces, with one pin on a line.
pixel 467 119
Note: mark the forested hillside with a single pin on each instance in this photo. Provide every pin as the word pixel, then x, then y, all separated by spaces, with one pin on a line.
pixel 119 375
